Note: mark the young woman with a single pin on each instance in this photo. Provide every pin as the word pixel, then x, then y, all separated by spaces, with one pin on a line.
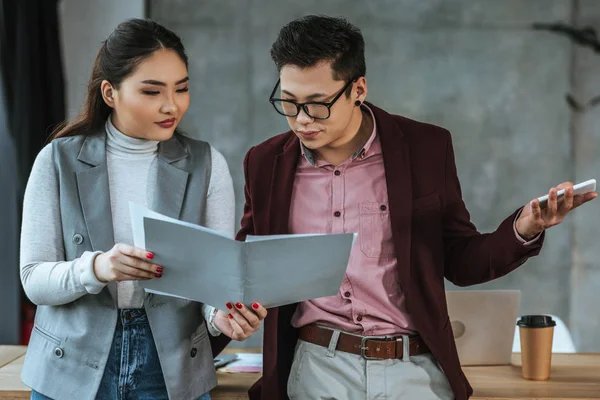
pixel 97 335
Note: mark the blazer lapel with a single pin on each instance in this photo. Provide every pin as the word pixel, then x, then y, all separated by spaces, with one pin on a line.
pixel 94 196
pixel 171 181
pixel 282 185
pixel 396 160
pixel 92 186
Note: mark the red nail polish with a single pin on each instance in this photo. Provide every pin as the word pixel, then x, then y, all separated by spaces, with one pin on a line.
pixel 149 256
pixel 230 316
pixel 159 270
pixel 229 305
pixel 238 305
pixel 255 306
pixel 158 275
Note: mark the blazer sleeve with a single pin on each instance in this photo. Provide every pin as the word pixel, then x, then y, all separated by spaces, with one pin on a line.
pixel 471 257
pixel 247 223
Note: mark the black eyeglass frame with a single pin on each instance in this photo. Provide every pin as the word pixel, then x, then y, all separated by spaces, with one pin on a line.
pixel 329 104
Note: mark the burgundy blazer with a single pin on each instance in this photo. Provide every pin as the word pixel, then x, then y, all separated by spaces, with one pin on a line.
pixel 431 228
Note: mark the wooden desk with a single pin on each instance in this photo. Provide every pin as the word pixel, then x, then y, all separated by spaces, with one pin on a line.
pixel 573 377
pixel 231 386
pixel 11 362
pixel 234 386
pixel 10 353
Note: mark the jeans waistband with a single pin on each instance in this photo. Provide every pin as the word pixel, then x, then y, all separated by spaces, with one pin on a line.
pixel 130 316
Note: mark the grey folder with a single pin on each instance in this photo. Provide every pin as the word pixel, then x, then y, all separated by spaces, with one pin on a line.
pixel 205 266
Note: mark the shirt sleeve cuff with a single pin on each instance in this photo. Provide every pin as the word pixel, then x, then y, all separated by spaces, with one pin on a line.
pixel 86 268
pixel 209 315
pixel 519 238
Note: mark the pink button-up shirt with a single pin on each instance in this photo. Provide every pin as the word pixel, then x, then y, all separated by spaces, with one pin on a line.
pixel 352 197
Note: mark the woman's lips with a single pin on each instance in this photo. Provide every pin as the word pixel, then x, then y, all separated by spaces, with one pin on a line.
pixel 167 123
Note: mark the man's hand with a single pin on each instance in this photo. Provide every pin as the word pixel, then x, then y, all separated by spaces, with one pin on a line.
pixel 534 219
pixel 240 323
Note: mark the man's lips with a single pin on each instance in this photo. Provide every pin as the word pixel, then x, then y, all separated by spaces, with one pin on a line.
pixel 308 134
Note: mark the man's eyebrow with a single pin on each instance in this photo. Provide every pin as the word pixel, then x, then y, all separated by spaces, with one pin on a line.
pixel 311 97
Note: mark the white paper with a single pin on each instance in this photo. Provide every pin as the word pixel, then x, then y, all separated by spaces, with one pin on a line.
pixel 206 266
pixel 245 362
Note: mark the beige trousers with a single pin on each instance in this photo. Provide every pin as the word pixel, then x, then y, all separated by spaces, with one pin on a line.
pixel 320 374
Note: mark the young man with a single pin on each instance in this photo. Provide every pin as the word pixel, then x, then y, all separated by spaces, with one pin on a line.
pixel 348 166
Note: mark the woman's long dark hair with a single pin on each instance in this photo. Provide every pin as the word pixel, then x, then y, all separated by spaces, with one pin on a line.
pixel 130 43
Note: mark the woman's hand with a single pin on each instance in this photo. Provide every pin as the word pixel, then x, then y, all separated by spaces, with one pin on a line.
pixel 125 263
pixel 240 323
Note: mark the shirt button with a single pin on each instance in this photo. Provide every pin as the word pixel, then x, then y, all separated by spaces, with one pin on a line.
pixel 193 352
pixel 359 318
pixel 347 294
pixel 383 207
pixel 77 239
pixel 337 173
pixel 337 214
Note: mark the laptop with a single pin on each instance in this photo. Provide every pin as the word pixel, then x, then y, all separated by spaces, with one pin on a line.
pixel 483 322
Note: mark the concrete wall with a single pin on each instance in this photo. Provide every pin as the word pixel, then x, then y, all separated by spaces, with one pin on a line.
pixel 84 25
pixel 585 139
pixel 476 68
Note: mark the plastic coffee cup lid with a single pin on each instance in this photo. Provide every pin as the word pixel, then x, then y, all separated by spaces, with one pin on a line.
pixel 536 321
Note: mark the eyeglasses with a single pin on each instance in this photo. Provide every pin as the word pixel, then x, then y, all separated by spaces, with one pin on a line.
pixel 314 109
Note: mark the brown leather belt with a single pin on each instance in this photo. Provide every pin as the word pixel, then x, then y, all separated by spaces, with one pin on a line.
pixel 369 347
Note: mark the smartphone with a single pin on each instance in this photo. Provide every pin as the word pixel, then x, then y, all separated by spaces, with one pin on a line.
pixel 580 188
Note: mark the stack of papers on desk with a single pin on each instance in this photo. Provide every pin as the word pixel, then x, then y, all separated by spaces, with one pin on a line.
pixel 206 266
pixel 245 362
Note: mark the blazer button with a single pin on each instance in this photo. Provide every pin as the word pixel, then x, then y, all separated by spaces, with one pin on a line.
pixel 193 352
pixel 77 239
pixel 58 352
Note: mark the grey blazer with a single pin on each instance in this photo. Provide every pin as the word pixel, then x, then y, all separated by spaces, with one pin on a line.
pixel 70 343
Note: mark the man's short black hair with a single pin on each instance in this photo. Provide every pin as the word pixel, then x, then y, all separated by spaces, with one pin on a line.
pixel 309 40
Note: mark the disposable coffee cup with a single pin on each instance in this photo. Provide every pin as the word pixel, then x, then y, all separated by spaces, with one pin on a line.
pixel 536 332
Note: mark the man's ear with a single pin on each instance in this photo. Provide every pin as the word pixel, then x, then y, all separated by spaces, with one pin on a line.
pixel 360 90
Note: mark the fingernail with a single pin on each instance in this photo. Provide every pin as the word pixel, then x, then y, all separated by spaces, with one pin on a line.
pixel 255 306
pixel 238 305
pixel 229 305
pixel 149 256
pixel 158 275
pixel 159 270
pixel 230 316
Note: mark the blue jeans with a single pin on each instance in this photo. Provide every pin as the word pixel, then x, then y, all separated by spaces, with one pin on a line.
pixel 133 369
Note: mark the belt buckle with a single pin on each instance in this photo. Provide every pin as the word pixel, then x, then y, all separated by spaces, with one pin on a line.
pixel 363 346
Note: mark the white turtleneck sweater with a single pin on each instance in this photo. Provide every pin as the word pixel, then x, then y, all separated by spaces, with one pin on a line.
pixel 138 158
pixel 47 277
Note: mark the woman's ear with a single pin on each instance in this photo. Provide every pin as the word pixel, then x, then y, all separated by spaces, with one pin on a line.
pixel 108 93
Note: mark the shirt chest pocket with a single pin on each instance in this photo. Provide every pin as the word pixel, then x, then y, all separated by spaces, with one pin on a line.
pixel 375 231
